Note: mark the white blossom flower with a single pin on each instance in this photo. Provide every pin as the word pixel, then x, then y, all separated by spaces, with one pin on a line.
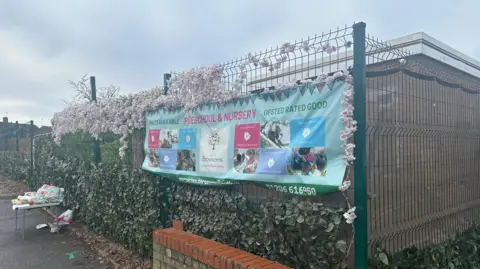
pixel 265 63
pixel 345 185
pixel 350 124
pixel 306 46
pixel 350 215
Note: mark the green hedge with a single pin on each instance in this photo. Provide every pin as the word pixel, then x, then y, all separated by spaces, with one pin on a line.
pixel 15 165
pixel 290 231
pixel 460 252
pixel 127 205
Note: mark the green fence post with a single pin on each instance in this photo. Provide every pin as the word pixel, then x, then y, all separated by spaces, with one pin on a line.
pixel 360 164
pixel 31 156
pixel 17 146
pixel 5 140
pixel 167 185
pixel 166 78
pixel 96 144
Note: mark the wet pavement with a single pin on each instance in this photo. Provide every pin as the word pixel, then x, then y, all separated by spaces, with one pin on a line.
pixel 40 248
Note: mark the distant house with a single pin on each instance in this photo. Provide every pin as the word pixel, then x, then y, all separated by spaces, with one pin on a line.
pixel 8 134
pixel 9 127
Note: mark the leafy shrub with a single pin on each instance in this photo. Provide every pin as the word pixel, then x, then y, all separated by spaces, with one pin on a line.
pixel 456 253
pixel 15 165
pixel 294 232
pixel 126 205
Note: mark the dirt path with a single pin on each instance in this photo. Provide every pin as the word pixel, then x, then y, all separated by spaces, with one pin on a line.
pixel 10 188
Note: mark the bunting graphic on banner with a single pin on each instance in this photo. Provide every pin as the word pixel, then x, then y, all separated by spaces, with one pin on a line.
pixel 279 95
pixel 265 97
pixel 303 89
pixel 272 96
pixel 320 87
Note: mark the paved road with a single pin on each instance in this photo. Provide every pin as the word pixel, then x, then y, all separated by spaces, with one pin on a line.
pixel 39 249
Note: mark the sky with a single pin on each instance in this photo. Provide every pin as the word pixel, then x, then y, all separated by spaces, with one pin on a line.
pixel 44 44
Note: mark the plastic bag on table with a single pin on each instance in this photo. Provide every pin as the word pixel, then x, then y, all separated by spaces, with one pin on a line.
pixel 30 194
pixel 37 200
pixel 50 193
pixel 31 198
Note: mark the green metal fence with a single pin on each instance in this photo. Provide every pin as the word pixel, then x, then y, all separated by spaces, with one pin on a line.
pixel 18 137
pixel 423 134
pixel 15 136
pixel 417 144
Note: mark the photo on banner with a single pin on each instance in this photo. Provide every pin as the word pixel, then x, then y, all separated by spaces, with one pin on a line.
pixel 186 160
pixel 245 160
pixel 153 158
pixel 275 134
pixel 309 161
pixel 169 138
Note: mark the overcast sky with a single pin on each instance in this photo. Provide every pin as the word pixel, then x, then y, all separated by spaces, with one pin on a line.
pixel 43 44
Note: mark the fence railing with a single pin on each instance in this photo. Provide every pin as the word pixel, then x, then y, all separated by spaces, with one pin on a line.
pixel 417 144
pixel 423 147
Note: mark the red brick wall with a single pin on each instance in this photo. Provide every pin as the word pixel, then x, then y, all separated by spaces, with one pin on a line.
pixel 174 248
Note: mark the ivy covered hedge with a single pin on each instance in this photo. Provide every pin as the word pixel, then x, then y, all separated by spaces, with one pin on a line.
pixel 127 205
pixel 460 252
pixel 15 165
pixel 292 231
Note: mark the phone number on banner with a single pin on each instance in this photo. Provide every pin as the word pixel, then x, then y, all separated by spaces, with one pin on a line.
pixel 298 190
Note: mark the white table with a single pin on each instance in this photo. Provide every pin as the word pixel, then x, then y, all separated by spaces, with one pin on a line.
pixel 27 207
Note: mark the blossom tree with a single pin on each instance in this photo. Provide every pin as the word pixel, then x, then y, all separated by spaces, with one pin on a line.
pixel 121 114
pixel 83 92
pixel 125 113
